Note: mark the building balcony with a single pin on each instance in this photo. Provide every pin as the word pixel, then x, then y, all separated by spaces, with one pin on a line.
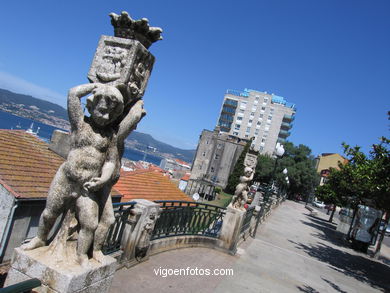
pixel 281 140
pixel 284 134
pixel 285 126
pixel 288 118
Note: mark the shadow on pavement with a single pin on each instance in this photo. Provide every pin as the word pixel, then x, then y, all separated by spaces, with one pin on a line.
pixel 328 230
pixel 307 289
pixel 356 266
pixel 334 286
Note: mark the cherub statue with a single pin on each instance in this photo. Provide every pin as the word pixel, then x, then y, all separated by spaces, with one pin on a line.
pixel 84 181
pixel 241 193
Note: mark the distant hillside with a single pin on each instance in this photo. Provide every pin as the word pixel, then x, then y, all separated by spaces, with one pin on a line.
pixel 33 108
pixel 55 115
pixel 142 141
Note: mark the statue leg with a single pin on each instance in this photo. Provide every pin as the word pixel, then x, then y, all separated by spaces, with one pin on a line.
pixel 59 193
pixel 87 214
pixel 106 220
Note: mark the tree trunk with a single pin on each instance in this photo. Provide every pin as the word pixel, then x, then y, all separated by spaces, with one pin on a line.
pixel 381 237
pixel 332 214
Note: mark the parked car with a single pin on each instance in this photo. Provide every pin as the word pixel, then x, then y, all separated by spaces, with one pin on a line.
pixel 319 204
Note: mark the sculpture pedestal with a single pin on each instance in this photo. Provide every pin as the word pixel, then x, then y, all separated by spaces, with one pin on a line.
pixel 61 277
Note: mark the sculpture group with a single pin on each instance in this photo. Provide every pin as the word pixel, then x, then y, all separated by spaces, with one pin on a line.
pixel 82 185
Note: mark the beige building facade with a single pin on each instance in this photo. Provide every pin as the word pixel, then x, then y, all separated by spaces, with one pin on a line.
pixel 250 113
pixel 326 161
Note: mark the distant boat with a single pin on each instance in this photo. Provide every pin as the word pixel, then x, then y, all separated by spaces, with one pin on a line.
pixel 19 126
pixel 31 130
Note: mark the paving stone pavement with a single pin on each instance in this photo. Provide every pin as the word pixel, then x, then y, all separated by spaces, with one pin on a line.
pixel 292 252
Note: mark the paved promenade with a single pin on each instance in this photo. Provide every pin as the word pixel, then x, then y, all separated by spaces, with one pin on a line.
pixel 293 252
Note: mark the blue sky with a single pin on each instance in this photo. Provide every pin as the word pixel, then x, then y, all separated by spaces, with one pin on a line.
pixel 330 57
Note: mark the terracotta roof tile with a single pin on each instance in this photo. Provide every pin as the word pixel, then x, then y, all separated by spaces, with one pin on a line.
pixel 150 185
pixel 186 177
pixel 27 166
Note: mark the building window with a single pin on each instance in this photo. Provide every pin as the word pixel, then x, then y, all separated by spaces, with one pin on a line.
pixel 248 129
pixel 265 100
pixel 207 141
pixel 257 98
pixel 242 111
pixel 256 102
pixel 243 105
pixel 237 127
pixel 254 108
pixel 216 156
pixel 263 140
pixel 256 131
pixel 258 123
pixel 235 133
pixel 263 108
pixel 212 169
pixel 219 146
pixel 261 115
pixel 270 117
pixel 246 135
pixel 204 154
pixel 239 118
pixel 272 110
pixel 250 121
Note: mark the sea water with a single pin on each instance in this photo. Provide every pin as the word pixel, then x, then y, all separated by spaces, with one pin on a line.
pixel 10 121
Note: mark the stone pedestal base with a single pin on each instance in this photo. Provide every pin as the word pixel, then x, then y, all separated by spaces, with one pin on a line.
pixel 60 277
pixel 231 229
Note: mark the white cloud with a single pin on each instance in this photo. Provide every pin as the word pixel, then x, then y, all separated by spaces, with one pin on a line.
pixel 21 86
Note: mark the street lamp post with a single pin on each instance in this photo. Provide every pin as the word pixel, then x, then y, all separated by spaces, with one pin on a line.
pixel 279 152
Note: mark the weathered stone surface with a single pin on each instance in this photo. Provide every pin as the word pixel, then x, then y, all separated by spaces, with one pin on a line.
pixel 124 63
pixel 231 229
pixel 135 234
pixel 59 277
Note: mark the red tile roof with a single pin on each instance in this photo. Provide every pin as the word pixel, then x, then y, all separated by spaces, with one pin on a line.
pixel 27 166
pixel 186 177
pixel 150 185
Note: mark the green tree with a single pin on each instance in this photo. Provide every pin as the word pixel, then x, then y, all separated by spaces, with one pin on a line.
pixel 364 180
pixel 264 167
pixel 302 174
pixel 234 177
pixel 330 192
pixel 371 178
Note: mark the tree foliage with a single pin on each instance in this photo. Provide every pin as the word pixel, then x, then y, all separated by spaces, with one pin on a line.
pixel 300 164
pixel 364 180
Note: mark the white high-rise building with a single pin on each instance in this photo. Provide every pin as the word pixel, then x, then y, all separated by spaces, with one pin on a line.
pixel 250 113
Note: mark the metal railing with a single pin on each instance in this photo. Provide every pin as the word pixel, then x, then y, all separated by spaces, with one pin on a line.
pixel 179 218
pixel 247 219
pixel 25 286
pixel 114 236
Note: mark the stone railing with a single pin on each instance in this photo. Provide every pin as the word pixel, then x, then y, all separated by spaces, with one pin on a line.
pixel 154 227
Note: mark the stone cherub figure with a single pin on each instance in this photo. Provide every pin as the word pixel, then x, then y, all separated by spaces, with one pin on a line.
pixel 241 193
pixel 84 181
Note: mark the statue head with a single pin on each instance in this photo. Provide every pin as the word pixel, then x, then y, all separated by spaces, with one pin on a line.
pixel 105 105
pixel 248 171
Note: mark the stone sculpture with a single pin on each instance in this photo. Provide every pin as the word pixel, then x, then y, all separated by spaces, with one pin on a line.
pixel 144 240
pixel 240 196
pixel 241 193
pixel 81 187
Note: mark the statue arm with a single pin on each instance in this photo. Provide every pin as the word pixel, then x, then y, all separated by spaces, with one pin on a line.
pixel 108 170
pixel 75 112
pixel 129 123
